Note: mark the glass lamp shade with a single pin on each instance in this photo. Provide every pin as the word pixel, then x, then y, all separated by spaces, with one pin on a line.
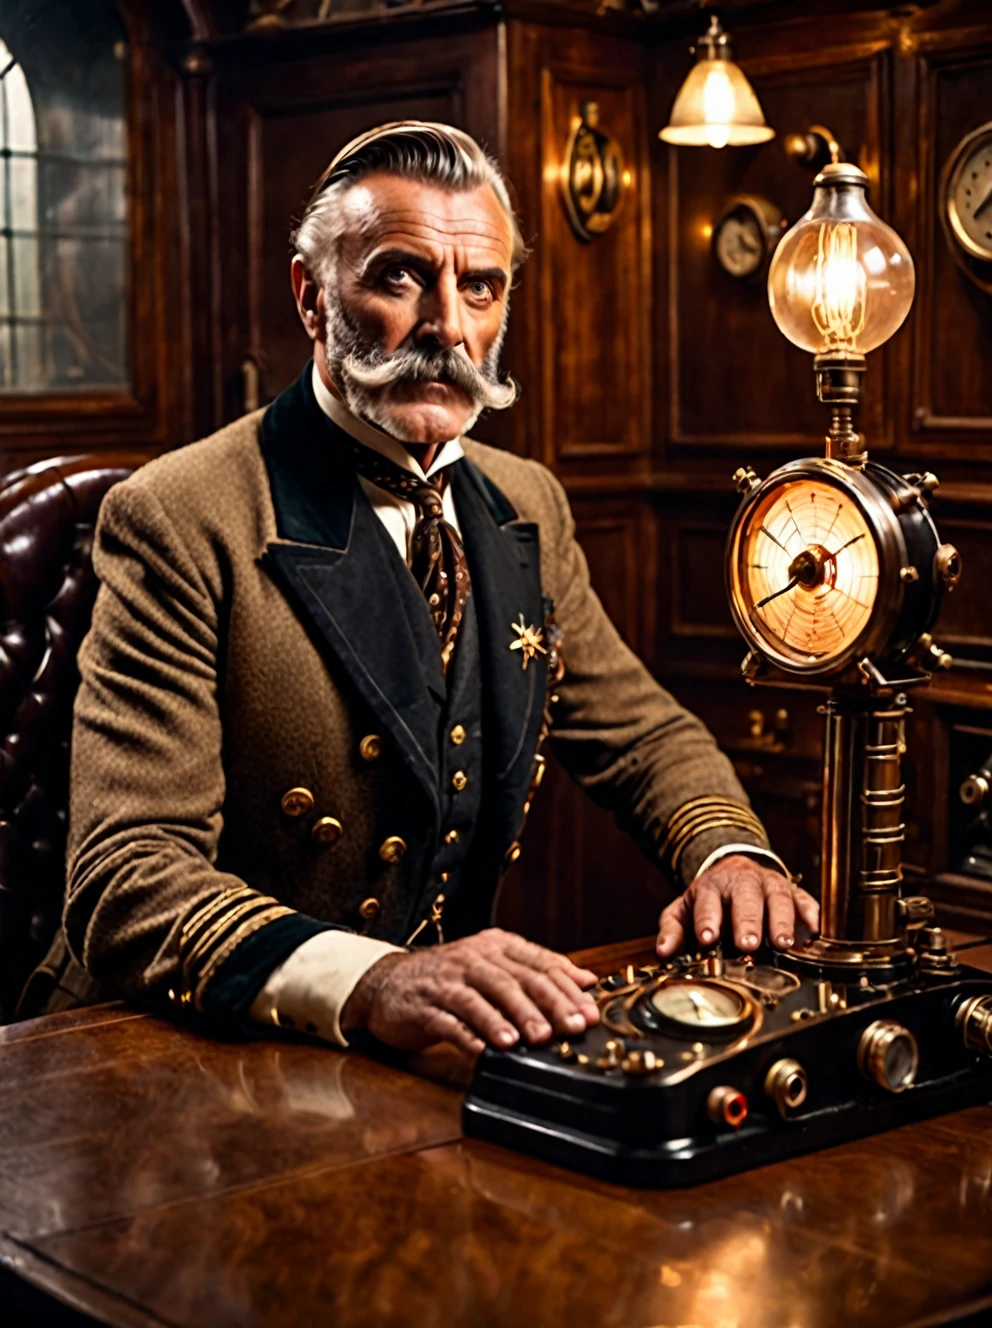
pixel 841 282
pixel 716 105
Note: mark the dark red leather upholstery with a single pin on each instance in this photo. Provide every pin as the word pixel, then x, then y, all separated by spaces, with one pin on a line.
pixel 47 588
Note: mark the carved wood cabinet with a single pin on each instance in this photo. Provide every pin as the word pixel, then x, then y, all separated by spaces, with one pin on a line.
pixel 649 373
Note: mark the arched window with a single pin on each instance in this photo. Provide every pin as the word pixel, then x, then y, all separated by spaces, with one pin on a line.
pixel 63 191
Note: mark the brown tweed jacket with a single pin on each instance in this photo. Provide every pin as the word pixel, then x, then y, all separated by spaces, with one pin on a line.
pixel 208 691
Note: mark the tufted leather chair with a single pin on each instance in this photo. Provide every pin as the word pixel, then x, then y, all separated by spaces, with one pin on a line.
pixel 47 589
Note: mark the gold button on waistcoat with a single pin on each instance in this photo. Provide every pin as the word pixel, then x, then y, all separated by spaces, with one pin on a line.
pixel 452 837
pixel 392 849
pixel 370 748
pixel 369 908
pixel 459 780
pixel 458 735
pixel 512 853
pixel 327 830
pixel 297 802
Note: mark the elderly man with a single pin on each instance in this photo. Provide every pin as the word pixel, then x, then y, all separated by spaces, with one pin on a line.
pixel 328 644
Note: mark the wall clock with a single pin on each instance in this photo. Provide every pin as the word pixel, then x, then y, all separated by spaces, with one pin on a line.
pixel 966 203
pixel 746 235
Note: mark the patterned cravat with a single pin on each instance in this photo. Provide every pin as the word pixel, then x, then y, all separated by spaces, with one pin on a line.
pixel 437 556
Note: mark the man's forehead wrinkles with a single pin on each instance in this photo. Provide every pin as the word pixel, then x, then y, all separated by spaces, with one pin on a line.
pixel 416 219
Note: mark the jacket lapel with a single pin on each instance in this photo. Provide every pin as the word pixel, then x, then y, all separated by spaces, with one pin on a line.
pixel 504 560
pixel 344 577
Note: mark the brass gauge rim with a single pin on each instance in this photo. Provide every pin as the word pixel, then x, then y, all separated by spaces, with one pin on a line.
pixel 890 544
pixel 749 1016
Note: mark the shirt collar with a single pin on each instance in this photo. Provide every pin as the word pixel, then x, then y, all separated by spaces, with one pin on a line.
pixel 369 436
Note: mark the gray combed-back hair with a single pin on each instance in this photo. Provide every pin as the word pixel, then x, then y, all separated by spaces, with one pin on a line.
pixel 422 150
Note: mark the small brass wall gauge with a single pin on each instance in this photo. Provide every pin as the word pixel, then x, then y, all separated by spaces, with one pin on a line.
pixel 592 175
pixel 966 204
pixel 746 234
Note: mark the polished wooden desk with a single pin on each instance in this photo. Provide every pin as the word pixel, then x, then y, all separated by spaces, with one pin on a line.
pixel 150 1176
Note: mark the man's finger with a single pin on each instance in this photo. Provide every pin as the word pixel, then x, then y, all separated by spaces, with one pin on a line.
pixel 671 927
pixel 578 1001
pixel 781 910
pixel 565 1013
pixel 747 909
pixel 807 908
pixel 537 956
pixel 444 1027
pixel 707 912
pixel 475 1011
pixel 504 991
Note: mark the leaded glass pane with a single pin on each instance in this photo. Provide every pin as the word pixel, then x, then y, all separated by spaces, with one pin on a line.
pixel 63 197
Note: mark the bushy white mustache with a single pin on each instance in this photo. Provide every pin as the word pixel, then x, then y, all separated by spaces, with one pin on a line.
pixel 372 372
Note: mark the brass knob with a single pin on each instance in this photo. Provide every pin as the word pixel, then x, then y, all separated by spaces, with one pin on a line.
pixel 786 1084
pixel 975 1022
pixel 641 1062
pixel 459 780
pixel 745 479
pixel 327 830
pixel 392 849
pixel 369 908
pixel 297 802
pixel 914 910
pixel 888 1055
pixel 974 790
pixel 458 735
pixel 370 748
pixel 947 560
pixel 613 1054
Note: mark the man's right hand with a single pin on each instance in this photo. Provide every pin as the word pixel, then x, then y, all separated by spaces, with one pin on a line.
pixel 492 987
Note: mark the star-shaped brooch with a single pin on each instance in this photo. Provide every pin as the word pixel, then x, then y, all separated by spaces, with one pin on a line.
pixel 530 642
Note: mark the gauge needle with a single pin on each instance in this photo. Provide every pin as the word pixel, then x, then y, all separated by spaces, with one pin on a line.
pixel 775 593
pixel 983 204
pixel 699 1007
pixel 854 540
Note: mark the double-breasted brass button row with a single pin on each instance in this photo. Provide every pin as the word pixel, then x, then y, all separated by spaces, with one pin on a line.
pixel 392 849
pixel 370 747
pixel 459 781
pixel 327 830
pixel 458 735
pixel 296 802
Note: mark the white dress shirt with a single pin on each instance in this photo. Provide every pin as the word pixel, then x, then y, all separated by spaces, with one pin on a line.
pixel 313 984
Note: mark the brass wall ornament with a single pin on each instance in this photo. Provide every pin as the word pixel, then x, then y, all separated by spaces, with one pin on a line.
pixel 592 175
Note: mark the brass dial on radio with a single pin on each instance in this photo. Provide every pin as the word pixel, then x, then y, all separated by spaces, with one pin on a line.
pixel 700 1009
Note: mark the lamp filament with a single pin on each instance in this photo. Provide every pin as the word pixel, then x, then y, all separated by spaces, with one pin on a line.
pixel 838 308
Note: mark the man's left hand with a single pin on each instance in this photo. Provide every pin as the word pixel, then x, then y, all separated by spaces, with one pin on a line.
pixel 757 899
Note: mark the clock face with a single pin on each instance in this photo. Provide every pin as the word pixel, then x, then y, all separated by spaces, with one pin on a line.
pixel 968 194
pixel 805 573
pixel 740 243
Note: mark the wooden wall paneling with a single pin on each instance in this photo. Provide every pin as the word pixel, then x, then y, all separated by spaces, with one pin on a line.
pixel 618 538
pixel 286 117
pixel 734 383
pixel 952 386
pixel 584 357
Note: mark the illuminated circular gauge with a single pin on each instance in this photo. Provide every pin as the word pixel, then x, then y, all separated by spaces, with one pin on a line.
pixel 818 571
pixel 699 1009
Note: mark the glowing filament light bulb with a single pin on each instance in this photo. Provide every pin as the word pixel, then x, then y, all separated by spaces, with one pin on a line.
pixel 841 281
pixel 838 307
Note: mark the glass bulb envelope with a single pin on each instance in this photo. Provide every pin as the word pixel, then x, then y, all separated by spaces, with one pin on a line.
pixel 841 281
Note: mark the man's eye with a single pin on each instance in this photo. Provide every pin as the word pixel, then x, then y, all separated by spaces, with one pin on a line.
pixel 396 276
pixel 481 290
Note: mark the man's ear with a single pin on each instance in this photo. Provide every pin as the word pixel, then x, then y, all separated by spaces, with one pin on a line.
pixel 309 299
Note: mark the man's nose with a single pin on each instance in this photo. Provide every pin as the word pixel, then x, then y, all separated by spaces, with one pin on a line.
pixel 441 323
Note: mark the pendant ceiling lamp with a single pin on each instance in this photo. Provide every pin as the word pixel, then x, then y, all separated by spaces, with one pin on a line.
pixel 716 105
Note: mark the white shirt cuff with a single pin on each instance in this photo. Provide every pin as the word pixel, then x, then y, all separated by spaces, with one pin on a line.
pixel 748 851
pixel 309 990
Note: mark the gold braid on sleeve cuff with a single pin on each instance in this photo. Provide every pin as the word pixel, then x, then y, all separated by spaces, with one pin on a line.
pixel 698 817
pixel 213 931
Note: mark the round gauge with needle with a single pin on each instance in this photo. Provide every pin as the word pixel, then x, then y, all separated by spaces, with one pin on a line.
pixel 826 564
pixel 699 1008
